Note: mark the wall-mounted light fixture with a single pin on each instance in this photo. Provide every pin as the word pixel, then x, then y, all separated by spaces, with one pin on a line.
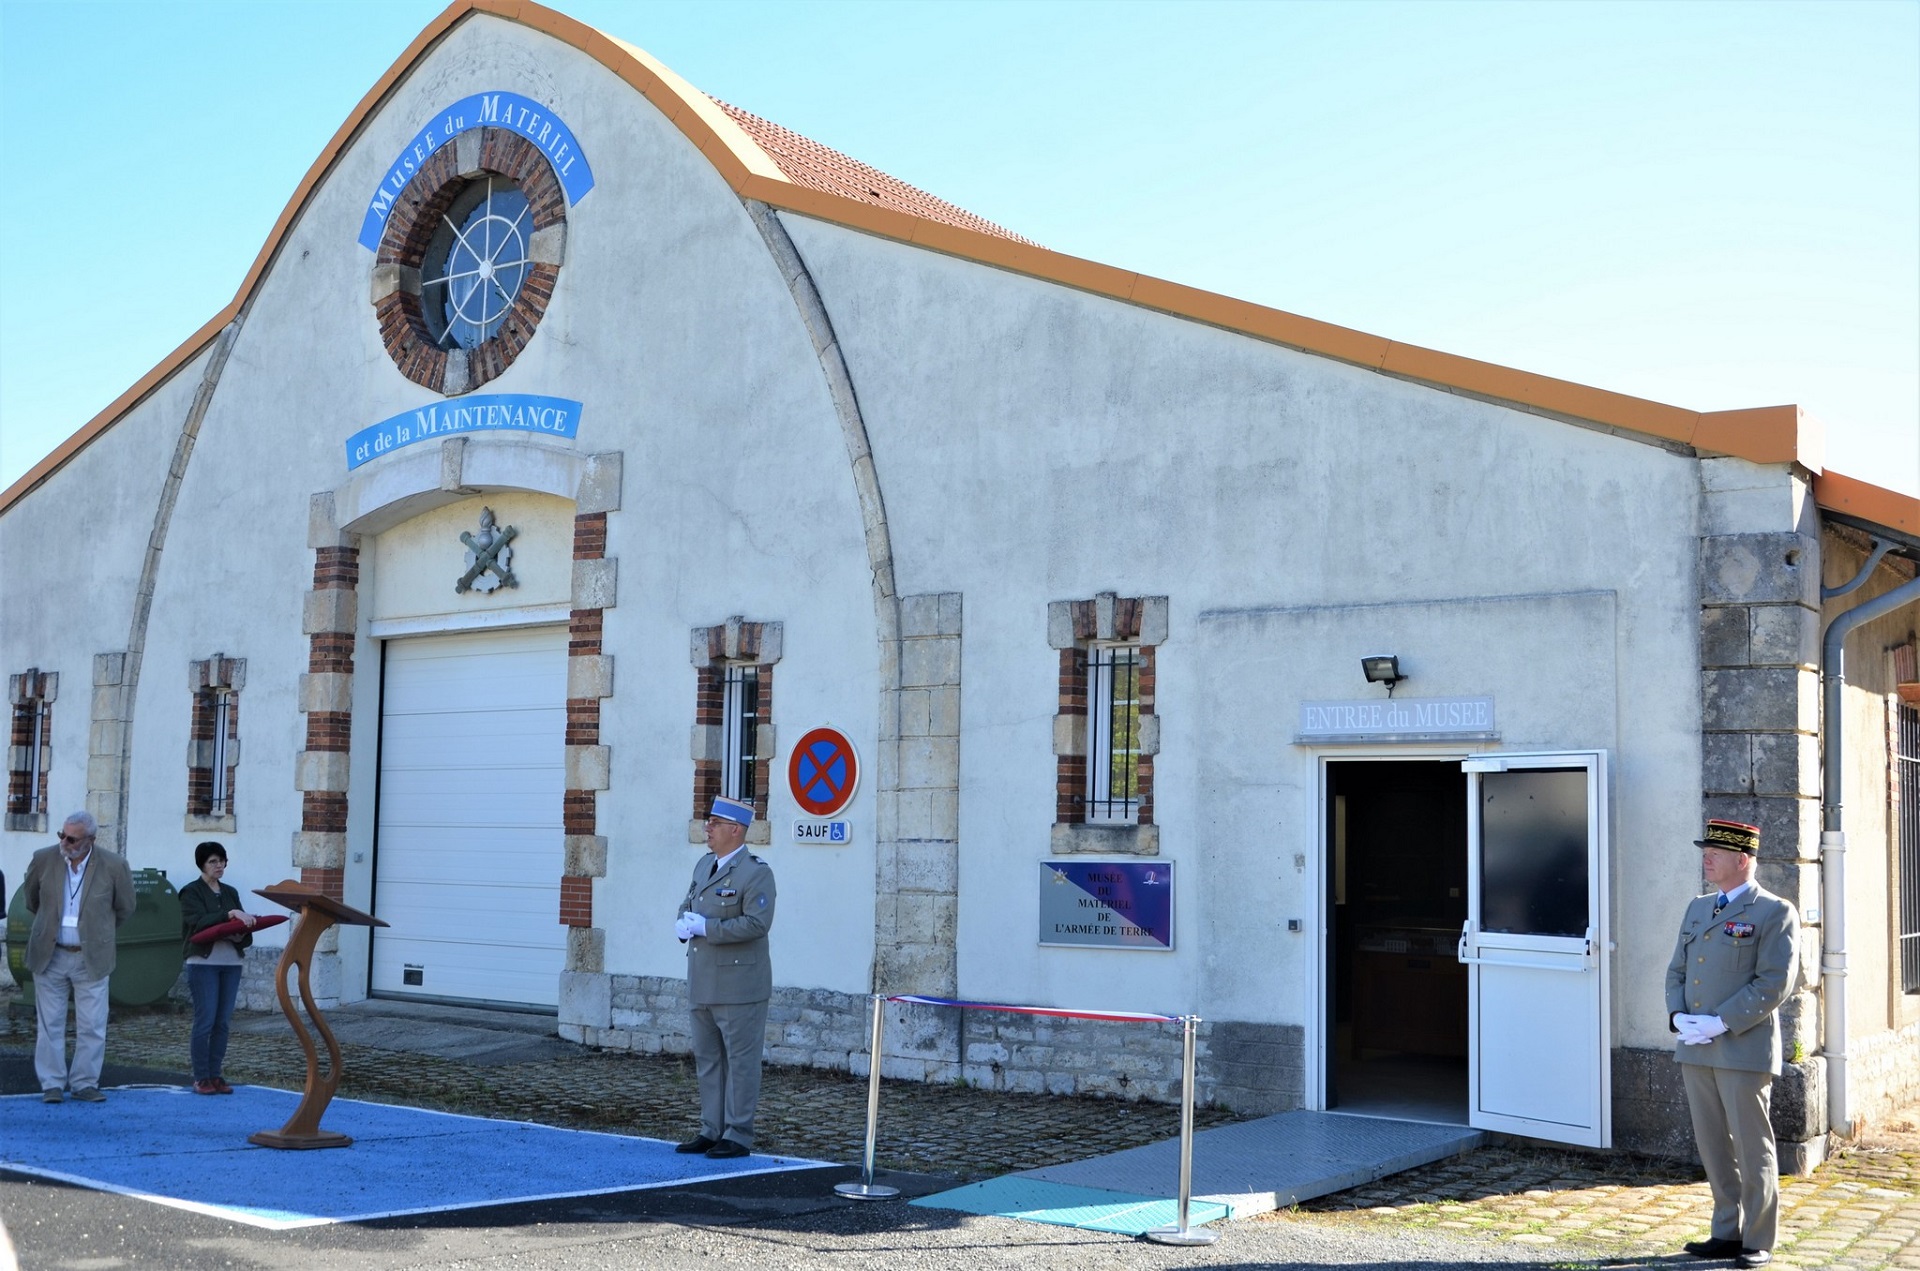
pixel 1383 668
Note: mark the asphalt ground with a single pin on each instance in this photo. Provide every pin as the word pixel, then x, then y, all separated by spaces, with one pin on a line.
pixel 1514 1203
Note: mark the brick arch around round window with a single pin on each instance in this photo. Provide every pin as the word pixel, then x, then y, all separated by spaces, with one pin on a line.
pixel 417 215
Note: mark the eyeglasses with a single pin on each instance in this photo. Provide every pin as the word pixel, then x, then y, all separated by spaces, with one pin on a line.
pixel 70 839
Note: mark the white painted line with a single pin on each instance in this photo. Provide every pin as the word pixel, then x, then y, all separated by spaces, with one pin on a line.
pixel 251 1219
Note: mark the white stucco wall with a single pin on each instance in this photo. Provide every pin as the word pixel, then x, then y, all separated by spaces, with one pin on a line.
pixel 672 327
pixel 1039 444
pixel 71 554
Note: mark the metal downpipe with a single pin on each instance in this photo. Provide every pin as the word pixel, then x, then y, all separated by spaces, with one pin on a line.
pixel 1833 837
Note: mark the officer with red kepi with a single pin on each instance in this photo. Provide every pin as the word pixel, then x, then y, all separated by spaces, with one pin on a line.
pixel 1732 967
pixel 724 922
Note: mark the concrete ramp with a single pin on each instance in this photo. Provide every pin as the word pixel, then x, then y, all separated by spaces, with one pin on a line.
pixel 1255 1166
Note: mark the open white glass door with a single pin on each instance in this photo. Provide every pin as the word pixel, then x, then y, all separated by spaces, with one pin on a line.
pixel 1536 944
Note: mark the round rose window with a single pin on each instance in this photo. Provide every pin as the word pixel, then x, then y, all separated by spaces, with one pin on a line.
pixel 476 263
pixel 469 260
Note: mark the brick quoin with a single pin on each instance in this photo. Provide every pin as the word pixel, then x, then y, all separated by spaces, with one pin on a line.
pixel 579 811
pixel 706 786
pixel 332 882
pixel 329 652
pixel 576 901
pixel 590 536
pixel 323 811
pixel 336 568
pixel 583 721
pixel 329 730
pixel 583 632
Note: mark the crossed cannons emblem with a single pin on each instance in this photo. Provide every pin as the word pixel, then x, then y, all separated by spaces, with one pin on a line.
pixel 488 554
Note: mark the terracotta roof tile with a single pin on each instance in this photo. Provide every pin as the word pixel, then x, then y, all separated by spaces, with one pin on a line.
pixel 807 163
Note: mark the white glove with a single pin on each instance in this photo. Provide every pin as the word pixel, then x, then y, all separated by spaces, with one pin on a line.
pixel 680 929
pixel 1698 1030
pixel 695 924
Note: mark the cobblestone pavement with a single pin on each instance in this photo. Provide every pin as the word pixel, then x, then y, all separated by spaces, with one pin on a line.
pixel 1571 1209
pixel 1861 1210
pixel 823 1115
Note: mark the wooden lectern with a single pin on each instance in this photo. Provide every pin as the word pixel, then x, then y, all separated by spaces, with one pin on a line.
pixel 317 912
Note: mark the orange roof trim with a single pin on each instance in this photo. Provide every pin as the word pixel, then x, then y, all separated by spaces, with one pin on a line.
pixel 761 160
pixel 1853 497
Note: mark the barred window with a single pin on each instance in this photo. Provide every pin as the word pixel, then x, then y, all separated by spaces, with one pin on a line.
pixel 213 747
pixel 1106 732
pixel 740 727
pixel 30 747
pixel 733 744
pixel 1907 760
pixel 1113 734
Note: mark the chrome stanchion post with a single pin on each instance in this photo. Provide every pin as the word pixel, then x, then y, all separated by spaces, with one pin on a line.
pixel 866 1188
pixel 1180 1233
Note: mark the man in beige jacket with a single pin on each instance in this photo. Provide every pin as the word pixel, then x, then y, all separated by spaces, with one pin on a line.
pixel 78 898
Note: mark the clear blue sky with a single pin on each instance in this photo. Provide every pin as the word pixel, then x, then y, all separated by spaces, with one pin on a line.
pixel 1714 205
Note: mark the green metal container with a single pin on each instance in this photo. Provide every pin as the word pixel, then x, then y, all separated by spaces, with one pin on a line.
pixel 19 923
pixel 149 958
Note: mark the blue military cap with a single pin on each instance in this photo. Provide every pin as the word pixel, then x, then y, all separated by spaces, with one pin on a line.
pixel 732 810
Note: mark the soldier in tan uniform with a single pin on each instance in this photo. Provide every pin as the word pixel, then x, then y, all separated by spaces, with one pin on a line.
pixel 1733 966
pixel 724 922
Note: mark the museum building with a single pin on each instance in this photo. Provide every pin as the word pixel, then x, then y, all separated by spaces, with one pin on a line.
pixel 580 447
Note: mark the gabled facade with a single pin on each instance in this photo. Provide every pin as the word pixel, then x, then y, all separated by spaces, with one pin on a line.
pixel 579 445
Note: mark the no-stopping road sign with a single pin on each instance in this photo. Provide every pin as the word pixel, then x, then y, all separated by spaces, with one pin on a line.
pixel 823 772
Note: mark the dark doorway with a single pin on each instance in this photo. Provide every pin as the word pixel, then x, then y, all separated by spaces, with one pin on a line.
pixel 1397 868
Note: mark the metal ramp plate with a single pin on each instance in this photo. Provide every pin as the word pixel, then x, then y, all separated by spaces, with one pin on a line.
pixel 1255 1166
pixel 1091 1209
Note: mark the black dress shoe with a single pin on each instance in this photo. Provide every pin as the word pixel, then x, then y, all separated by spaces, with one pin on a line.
pixel 701 1143
pixel 1753 1258
pixel 726 1150
pixel 1714 1248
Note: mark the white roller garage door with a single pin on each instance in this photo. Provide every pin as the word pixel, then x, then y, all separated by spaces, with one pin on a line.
pixel 467 862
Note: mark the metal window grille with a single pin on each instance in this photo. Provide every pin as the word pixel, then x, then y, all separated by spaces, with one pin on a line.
pixel 1907 760
pixel 1113 726
pixel 37 737
pixel 741 731
pixel 222 794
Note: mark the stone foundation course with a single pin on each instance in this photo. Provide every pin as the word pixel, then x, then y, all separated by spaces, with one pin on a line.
pixel 1244 1068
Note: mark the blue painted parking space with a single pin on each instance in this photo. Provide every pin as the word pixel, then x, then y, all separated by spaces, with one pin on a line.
pixel 173 1147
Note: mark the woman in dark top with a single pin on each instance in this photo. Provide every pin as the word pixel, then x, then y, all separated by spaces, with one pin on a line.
pixel 213 968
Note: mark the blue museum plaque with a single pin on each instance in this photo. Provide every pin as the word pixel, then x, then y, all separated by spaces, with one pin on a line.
pixel 1107 904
